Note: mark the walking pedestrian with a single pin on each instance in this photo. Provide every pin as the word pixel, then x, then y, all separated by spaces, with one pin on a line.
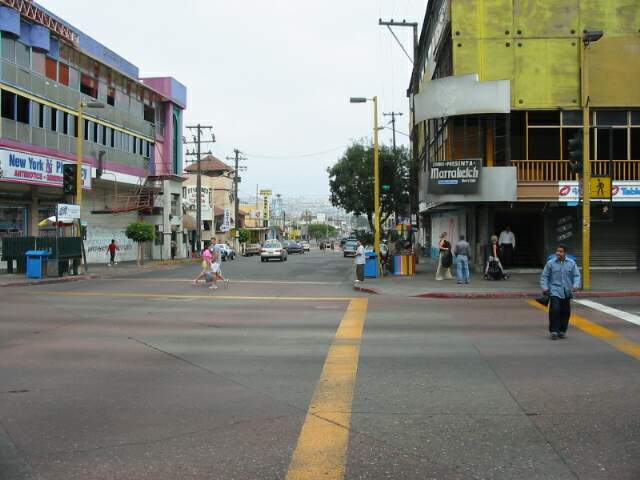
pixel 359 261
pixel 445 259
pixel 559 280
pixel 111 251
pixel 206 265
pixel 462 251
pixel 493 269
pixel 216 265
pixel 507 244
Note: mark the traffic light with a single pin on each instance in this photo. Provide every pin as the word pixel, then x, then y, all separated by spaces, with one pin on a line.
pixel 575 152
pixel 69 179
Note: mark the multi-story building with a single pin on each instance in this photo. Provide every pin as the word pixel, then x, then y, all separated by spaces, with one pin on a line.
pixel 132 134
pixel 497 91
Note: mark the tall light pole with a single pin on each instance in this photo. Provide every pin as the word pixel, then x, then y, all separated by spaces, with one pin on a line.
pixel 587 38
pixel 376 170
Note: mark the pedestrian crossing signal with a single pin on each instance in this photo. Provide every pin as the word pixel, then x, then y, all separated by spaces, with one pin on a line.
pixel 69 179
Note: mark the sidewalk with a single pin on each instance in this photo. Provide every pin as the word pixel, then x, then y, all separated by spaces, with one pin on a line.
pixel 95 271
pixel 604 283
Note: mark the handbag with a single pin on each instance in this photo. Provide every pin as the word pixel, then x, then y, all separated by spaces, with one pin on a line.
pixel 543 300
pixel 447 259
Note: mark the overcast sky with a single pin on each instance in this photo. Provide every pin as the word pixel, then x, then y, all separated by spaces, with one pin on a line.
pixel 272 77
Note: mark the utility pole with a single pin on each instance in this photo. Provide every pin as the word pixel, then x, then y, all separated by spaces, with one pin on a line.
pixel 197 141
pixel 236 180
pixel 393 116
pixel 403 23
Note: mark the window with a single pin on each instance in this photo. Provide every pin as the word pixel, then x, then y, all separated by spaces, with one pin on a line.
pixel 53 124
pixel 51 69
pixel 23 106
pixel 112 136
pixel 135 144
pixel 88 86
pixel 140 146
pixel 38 62
pixel 8 47
pixel 41 115
pixel 74 79
pixel 544 117
pixel 572 118
pixel 148 151
pixel 95 137
pixel 149 114
pixel 23 55
pixel 103 135
pixel 75 126
pixel 612 143
pixel 111 96
pixel 87 126
pixel 611 117
pixel 544 143
pixel 8 104
pixel 65 123
pixel 63 74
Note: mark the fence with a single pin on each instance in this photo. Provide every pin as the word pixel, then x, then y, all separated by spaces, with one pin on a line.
pixel 558 170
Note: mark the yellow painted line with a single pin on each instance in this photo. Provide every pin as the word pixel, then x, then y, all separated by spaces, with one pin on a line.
pixel 212 296
pixel 321 452
pixel 612 338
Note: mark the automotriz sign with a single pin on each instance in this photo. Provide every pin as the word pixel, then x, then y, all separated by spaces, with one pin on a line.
pixel 455 176
pixel 20 167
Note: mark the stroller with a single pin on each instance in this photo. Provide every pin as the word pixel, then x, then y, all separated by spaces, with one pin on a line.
pixel 493 270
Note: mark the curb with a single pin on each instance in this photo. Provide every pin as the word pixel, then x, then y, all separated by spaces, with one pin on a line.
pixel 373 291
pixel 513 295
pixel 49 281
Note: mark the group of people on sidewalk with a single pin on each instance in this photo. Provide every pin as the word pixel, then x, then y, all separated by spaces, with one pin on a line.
pixel 211 267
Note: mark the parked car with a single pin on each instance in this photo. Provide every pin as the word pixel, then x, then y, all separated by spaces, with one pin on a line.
pixel 306 246
pixel 251 249
pixel 349 249
pixel 292 246
pixel 227 252
pixel 273 249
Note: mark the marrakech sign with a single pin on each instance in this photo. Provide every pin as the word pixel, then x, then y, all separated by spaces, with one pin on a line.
pixel 455 176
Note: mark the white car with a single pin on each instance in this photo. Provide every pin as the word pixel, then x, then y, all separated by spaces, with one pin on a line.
pixel 227 252
pixel 306 246
pixel 273 249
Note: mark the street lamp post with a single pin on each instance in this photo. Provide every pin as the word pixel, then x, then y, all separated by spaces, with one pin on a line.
pixel 376 170
pixel 587 38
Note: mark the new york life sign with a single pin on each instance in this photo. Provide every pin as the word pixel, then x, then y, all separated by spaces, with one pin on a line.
pixel 20 167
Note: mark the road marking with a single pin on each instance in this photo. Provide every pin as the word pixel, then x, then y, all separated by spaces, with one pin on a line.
pixel 321 452
pixel 626 316
pixel 190 280
pixel 168 296
pixel 612 338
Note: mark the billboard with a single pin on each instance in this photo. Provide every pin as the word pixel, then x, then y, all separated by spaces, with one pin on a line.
pixel 455 176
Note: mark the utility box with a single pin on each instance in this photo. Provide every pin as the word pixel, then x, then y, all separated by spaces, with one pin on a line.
pixel 37 263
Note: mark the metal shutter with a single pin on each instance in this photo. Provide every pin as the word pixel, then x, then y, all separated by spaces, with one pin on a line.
pixel 617 244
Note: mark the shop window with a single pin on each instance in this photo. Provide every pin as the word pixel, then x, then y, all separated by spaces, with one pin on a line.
pixel 612 144
pixel 23 55
pixel 51 69
pixel 53 121
pixel 23 106
pixel 544 144
pixel 149 114
pixel 544 117
pixel 63 74
pixel 8 47
pixel 611 117
pixel 88 86
pixel 38 62
pixel 65 123
pixel 74 79
pixel 8 105
pixel 111 96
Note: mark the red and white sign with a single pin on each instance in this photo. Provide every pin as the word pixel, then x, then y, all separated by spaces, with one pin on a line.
pixel 622 191
pixel 22 167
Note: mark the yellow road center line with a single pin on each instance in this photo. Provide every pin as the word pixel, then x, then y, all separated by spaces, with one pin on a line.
pixel 612 338
pixel 213 296
pixel 321 452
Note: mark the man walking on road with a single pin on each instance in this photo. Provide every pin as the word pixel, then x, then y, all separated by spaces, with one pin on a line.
pixel 359 261
pixel 507 242
pixel 462 251
pixel 559 280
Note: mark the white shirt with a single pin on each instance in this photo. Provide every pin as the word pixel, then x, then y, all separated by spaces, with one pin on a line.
pixel 508 238
pixel 359 260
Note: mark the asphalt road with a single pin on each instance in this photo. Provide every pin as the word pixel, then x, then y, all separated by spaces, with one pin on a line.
pixel 291 374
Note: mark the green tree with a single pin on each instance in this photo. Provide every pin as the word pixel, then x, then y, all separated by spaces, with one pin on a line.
pixel 351 181
pixel 244 235
pixel 321 230
pixel 140 232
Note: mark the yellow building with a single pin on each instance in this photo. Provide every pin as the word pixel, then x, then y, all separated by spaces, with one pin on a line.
pixel 497 93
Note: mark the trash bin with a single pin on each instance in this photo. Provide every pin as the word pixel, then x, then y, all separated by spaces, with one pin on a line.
pixel 371 265
pixel 36 263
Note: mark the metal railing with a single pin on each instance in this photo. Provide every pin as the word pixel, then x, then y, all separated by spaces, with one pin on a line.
pixel 558 170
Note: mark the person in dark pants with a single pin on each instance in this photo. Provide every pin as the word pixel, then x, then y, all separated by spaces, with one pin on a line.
pixel 507 242
pixel 559 280
pixel 359 261
pixel 111 250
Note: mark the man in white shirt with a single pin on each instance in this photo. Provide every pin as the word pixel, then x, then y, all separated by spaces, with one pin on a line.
pixel 507 242
pixel 359 261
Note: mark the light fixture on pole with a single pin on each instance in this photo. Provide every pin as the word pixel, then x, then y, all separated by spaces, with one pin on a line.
pixel 376 170
pixel 588 38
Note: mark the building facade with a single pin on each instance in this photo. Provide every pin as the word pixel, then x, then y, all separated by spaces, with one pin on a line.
pixel 497 95
pixel 132 134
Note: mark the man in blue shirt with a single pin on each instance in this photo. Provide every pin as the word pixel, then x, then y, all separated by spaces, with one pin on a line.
pixel 560 279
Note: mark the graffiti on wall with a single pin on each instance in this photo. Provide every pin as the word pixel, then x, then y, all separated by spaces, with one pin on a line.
pixel 99 238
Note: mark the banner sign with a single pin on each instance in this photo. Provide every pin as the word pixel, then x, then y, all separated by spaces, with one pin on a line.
pixel 226 221
pixel 20 167
pixel 621 191
pixel 191 202
pixel 456 176
pixel 68 211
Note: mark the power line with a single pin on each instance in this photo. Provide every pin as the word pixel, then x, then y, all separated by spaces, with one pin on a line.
pixel 296 156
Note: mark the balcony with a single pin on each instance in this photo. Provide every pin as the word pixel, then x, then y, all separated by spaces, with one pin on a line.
pixel 558 170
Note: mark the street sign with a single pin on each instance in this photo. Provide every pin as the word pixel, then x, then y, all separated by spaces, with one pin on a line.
pixel 65 210
pixel 601 188
pixel 266 193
